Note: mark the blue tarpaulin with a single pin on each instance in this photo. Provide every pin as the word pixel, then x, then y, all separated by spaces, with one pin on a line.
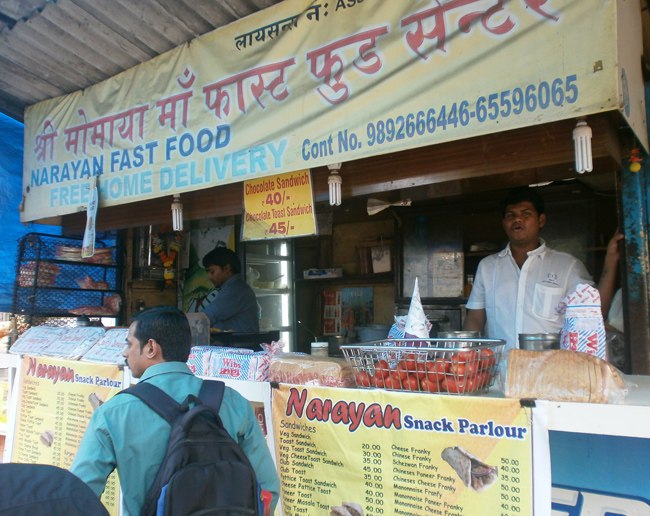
pixel 11 183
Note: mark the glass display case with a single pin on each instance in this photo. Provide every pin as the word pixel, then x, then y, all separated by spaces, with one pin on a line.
pixel 268 270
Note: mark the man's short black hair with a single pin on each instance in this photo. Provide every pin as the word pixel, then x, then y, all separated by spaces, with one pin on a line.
pixel 169 327
pixel 522 194
pixel 222 256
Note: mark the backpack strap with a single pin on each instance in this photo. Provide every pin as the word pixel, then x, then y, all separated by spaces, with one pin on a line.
pixel 156 399
pixel 211 394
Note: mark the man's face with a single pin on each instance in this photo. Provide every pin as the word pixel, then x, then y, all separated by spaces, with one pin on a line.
pixel 134 353
pixel 218 274
pixel 522 223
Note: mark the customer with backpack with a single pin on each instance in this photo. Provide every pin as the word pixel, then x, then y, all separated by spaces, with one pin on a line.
pixel 126 434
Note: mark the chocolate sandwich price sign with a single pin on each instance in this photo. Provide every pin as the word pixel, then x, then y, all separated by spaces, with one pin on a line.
pixel 365 452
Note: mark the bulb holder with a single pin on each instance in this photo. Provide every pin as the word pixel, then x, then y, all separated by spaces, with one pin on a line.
pixel 582 143
pixel 177 213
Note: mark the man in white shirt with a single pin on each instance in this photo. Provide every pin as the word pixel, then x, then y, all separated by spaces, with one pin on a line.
pixel 518 289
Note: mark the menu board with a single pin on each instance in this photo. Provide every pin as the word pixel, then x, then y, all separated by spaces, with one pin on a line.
pixel 279 207
pixel 55 401
pixel 375 452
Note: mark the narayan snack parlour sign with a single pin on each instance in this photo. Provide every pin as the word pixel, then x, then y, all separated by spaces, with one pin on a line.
pixel 307 83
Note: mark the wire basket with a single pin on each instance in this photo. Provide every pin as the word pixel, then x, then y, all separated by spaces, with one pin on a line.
pixel 446 366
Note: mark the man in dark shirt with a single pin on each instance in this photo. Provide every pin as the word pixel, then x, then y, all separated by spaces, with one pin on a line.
pixel 235 306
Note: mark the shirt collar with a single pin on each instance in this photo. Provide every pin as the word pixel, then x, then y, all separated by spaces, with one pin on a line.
pixel 232 278
pixel 165 368
pixel 539 251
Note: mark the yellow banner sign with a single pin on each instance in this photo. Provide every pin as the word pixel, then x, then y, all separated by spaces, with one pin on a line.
pixel 390 453
pixel 279 207
pixel 56 399
pixel 307 83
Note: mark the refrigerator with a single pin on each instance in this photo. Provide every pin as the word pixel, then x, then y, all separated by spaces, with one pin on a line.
pixel 268 268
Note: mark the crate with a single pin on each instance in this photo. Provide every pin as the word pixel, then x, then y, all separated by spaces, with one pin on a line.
pixel 445 366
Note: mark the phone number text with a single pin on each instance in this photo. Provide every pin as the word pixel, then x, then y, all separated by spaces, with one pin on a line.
pixel 507 103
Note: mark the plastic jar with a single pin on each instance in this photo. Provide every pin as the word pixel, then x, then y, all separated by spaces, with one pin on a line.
pixel 320 349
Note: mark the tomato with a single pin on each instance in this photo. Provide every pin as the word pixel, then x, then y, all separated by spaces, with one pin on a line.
pixel 471 368
pixel 471 384
pixel 487 358
pixel 421 369
pixel 430 385
pixel 436 370
pixel 458 368
pixel 456 386
pixel 463 357
pixel 378 381
pixel 409 359
pixel 393 382
pixel 363 379
pixel 411 384
pixel 381 368
pixel 483 379
pixel 402 370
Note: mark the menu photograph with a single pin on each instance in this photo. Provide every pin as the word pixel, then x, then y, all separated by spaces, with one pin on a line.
pixel 366 452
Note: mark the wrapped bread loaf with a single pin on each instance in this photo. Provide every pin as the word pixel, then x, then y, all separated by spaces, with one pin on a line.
pixel 309 370
pixel 562 375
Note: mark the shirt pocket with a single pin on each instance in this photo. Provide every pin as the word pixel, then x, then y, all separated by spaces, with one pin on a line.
pixel 545 301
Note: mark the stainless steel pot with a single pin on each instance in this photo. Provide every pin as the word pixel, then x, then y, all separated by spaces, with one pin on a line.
pixel 539 341
pixel 463 334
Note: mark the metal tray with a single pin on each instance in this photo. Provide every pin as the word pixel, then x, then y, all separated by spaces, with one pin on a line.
pixel 440 365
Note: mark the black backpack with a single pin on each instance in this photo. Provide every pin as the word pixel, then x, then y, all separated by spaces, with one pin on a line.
pixel 204 470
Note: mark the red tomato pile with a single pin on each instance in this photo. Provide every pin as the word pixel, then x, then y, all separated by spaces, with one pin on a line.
pixel 462 372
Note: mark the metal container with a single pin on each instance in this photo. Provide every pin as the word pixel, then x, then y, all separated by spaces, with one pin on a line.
pixel 375 363
pixel 335 343
pixel 372 332
pixel 539 341
pixel 464 334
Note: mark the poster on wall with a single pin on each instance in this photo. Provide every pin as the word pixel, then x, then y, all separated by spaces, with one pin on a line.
pixel 198 291
pixel 378 452
pixel 55 402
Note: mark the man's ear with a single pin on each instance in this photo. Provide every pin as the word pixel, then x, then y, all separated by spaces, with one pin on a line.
pixel 542 220
pixel 153 350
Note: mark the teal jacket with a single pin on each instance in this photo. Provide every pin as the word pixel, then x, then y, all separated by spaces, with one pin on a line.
pixel 124 433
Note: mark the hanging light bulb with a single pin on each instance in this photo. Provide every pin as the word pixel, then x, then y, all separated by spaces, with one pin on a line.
pixel 582 143
pixel 334 181
pixel 177 213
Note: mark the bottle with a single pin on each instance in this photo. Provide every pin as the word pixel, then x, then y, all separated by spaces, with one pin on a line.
pixel 469 283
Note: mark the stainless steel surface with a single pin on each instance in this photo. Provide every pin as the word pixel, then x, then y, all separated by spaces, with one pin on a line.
pixel 539 341
pixel 464 334
pixel 461 334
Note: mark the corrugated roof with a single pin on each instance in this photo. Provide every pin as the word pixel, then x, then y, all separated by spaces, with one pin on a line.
pixel 49 48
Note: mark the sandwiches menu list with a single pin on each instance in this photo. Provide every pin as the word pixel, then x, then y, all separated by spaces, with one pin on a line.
pixel 364 452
